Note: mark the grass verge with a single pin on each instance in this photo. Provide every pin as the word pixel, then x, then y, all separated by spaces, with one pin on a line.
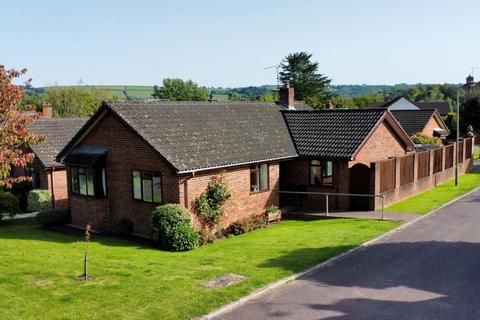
pixel 434 198
pixel 39 269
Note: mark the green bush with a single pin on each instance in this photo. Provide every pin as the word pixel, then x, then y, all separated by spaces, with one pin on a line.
pixel 49 218
pixel 245 225
pixel 183 238
pixel 123 226
pixel 8 204
pixel 210 203
pixel 419 138
pixel 171 221
pixel 39 200
pixel 272 209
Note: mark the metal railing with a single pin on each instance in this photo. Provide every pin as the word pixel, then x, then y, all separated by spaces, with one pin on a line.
pixel 328 194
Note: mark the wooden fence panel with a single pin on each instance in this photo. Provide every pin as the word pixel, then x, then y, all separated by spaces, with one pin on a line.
pixel 437 160
pixel 387 175
pixel 423 164
pixel 407 169
pixel 468 148
pixel 449 156
pixel 460 151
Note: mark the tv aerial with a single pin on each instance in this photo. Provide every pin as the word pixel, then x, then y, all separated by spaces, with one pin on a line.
pixel 277 67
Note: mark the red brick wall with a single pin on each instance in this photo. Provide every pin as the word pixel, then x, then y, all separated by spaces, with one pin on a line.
pixel 127 152
pixel 242 202
pixel 60 188
pixel 431 124
pixel 88 210
pixel 382 144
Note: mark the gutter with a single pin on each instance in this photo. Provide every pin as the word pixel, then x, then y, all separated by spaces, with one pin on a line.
pixel 193 171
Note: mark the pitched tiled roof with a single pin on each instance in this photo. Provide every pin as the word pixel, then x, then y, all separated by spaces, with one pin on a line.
pixel 201 135
pixel 413 121
pixel 57 133
pixel 331 133
pixel 442 107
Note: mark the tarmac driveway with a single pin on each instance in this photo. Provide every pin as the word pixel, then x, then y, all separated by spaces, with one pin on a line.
pixel 429 270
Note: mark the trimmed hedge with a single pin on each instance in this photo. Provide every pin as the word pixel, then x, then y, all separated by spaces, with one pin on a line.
pixel 9 204
pixel 39 200
pixel 50 218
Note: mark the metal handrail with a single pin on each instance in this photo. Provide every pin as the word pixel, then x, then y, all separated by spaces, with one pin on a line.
pixel 327 194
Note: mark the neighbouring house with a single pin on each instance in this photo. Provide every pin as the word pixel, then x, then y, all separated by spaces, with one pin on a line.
pixel 402 103
pixel 46 173
pixel 131 157
pixel 426 122
pixel 336 148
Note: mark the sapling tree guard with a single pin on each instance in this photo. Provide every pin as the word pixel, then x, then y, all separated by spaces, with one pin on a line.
pixel 14 132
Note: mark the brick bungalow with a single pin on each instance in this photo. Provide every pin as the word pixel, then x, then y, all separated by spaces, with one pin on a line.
pixel 131 157
pixel 45 172
pixel 336 148
pixel 426 122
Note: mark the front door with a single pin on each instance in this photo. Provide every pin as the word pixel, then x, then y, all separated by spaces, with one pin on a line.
pixel 360 184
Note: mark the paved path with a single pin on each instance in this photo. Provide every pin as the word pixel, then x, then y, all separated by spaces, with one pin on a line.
pixel 429 270
pixel 387 215
pixel 22 216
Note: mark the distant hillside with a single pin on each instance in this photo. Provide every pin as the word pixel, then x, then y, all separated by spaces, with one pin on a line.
pixel 129 92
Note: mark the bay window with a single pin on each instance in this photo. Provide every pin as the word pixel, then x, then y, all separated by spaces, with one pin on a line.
pixel 88 181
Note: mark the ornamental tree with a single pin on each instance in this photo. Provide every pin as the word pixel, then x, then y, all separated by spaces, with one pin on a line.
pixel 14 132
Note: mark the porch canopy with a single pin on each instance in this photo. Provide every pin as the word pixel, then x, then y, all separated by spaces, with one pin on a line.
pixel 86 156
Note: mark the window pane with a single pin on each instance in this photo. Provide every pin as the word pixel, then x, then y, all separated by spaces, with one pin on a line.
pixel 74 174
pixel 315 173
pixel 90 188
pixel 104 182
pixel 263 176
pixel 157 189
pixel 328 169
pixel 82 180
pixel 147 187
pixel 254 180
pixel 137 185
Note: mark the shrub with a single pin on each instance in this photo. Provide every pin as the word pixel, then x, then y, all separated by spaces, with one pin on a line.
pixel 272 209
pixel 8 204
pixel 419 138
pixel 245 225
pixel 210 203
pixel 183 238
pixel 123 226
pixel 39 200
pixel 49 218
pixel 172 221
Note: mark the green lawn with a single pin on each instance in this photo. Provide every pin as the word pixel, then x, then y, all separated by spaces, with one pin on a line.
pixel 434 198
pixel 39 269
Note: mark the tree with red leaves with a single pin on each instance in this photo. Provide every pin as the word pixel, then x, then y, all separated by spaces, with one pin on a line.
pixel 14 134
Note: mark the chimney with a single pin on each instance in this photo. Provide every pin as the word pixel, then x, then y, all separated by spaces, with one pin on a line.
pixel 46 110
pixel 469 79
pixel 330 105
pixel 385 97
pixel 287 96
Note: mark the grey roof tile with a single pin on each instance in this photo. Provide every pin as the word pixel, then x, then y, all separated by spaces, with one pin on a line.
pixel 331 133
pixel 413 121
pixel 58 132
pixel 200 135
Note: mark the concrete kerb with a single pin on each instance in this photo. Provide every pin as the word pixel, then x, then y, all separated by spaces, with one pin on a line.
pixel 279 283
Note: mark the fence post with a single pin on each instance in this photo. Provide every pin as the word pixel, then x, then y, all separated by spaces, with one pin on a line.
pixel 383 205
pixel 326 204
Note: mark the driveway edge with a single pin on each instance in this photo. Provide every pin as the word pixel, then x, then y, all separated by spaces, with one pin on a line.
pixel 259 292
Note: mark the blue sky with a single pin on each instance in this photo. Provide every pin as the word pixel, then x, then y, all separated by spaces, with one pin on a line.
pixel 227 43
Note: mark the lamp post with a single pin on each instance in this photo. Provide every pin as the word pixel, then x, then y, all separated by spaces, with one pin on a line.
pixel 458 136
